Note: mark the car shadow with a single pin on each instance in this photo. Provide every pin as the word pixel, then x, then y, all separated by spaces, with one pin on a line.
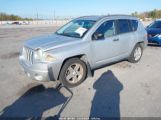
pixel 106 101
pixel 33 103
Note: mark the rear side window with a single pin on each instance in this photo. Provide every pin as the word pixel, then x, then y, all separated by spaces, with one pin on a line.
pixel 134 24
pixel 123 26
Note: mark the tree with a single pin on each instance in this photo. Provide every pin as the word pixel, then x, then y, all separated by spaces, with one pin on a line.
pixel 4 16
pixel 151 14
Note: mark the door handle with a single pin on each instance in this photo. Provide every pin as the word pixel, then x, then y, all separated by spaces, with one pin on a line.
pixel 115 40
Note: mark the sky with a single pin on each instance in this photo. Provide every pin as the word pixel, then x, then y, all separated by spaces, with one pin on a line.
pixel 74 8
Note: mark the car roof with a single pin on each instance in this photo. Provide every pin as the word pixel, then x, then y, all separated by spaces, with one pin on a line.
pixel 97 18
pixel 94 18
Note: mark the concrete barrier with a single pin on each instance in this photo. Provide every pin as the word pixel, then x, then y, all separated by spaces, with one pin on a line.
pixel 36 22
pixel 49 22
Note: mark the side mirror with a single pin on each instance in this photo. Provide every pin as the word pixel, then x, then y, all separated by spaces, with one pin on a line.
pixel 98 36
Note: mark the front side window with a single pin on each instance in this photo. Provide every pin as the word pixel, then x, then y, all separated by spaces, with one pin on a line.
pixel 123 26
pixel 76 28
pixel 107 29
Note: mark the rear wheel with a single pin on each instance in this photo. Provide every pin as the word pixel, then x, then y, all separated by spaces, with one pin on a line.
pixel 136 54
pixel 73 72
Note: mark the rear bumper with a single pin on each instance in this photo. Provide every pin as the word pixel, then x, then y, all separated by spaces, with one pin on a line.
pixel 38 72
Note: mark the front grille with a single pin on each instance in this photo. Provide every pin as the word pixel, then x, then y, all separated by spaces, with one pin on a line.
pixel 28 54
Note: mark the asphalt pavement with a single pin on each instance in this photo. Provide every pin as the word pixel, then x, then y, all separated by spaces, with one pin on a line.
pixel 119 90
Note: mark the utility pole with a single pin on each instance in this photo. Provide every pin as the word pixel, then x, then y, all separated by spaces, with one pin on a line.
pixel 54 14
pixel 37 16
pixel 54 20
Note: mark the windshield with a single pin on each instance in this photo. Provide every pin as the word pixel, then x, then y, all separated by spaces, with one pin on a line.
pixel 76 28
pixel 156 24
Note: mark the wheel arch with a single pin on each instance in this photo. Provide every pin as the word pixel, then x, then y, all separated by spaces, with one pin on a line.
pixel 142 43
pixel 82 57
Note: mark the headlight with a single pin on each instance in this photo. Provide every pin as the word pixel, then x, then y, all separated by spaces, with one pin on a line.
pixel 159 36
pixel 40 56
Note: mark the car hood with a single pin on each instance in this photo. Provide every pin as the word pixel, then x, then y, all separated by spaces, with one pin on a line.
pixel 154 31
pixel 50 42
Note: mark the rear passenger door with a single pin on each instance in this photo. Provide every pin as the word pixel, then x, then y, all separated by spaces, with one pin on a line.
pixel 126 36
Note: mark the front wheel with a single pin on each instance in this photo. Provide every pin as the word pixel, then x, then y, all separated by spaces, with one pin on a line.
pixel 136 54
pixel 73 72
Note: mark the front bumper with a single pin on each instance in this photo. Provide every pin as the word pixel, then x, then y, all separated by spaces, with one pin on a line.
pixel 156 40
pixel 39 71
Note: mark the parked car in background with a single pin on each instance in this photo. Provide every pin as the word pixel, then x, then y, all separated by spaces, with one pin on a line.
pixel 154 32
pixel 81 46
pixel 16 23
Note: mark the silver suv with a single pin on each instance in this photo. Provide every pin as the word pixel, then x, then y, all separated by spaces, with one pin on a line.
pixel 81 46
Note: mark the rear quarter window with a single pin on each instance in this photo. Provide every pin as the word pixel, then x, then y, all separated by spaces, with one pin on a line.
pixel 134 25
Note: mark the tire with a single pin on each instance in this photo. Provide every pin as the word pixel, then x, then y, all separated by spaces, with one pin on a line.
pixel 73 72
pixel 135 57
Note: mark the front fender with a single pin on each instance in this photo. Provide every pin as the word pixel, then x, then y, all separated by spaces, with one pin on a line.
pixel 64 53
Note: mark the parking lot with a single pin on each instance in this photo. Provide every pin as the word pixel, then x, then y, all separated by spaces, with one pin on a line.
pixel 120 90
